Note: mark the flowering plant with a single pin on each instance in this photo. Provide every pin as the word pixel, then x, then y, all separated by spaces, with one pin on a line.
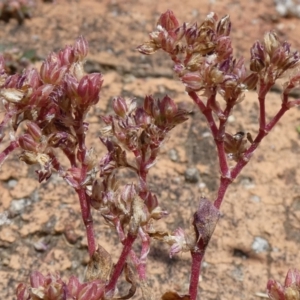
pixel 47 111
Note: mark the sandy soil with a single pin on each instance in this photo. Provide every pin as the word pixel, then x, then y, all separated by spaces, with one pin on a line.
pixel 258 235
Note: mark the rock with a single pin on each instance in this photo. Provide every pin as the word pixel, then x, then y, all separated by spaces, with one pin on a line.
pixel 173 155
pixel 192 175
pixel 260 245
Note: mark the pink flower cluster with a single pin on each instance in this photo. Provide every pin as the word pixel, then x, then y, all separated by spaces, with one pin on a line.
pixel 52 287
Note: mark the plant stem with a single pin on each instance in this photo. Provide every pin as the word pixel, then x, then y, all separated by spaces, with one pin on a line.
pixel 197 258
pixel 224 183
pixel 87 220
pixel 9 149
pixel 121 262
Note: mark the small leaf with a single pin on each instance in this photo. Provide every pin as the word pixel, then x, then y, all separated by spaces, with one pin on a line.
pixel 131 278
pixel 100 265
pixel 205 220
pixel 174 296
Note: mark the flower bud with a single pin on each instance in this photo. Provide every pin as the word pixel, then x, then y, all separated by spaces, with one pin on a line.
pixel 81 48
pixel 91 291
pixel 168 21
pixel 224 26
pixel 275 290
pixel 120 106
pixel 33 78
pixel 89 88
pixel 251 81
pixel 148 104
pixel 141 118
pixel 51 71
pixel 66 56
pixel 34 130
pixel 55 291
pixel 26 142
pixel 71 86
pixel 193 81
pixel 257 51
pixel 292 278
pixel 73 287
pixel 168 107
pixel 36 279
pixel 271 42
pixel 22 292
pixel 256 65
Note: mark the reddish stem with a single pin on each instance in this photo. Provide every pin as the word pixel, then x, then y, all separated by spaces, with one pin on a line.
pixel 87 220
pixel 121 262
pixel 9 149
pixel 218 134
pixel 197 258
pixel 224 183
pixel 228 176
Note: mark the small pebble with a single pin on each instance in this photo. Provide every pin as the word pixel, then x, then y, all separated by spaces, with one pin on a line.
pixel 17 206
pixel 260 245
pixel 12 183
pixel 173 155
pixel 255 199
pixel 192 175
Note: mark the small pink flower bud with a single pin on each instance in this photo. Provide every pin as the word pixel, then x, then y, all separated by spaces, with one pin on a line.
pixel 36 279
pixel 71 86
pixel 168 107
pixel 168 21
pixel 291 62
pixel 141 118
pixel 275 290
pixel 155 110
pixel 55 291
pixel 257 51
pixel 292 278
pixel 52 72
pixel 120 106
pixel 88 292
pixel 81 48
pixel 224 48
pixel 34 130
pixel 66 56
pixel 279 56
pixel 193 81
pixel 33 78
pixel 40 97
pixel 89 88
pixel 22 292
pixel 151 202
pixel 73 286
pixel 148 102
pixel 27 142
